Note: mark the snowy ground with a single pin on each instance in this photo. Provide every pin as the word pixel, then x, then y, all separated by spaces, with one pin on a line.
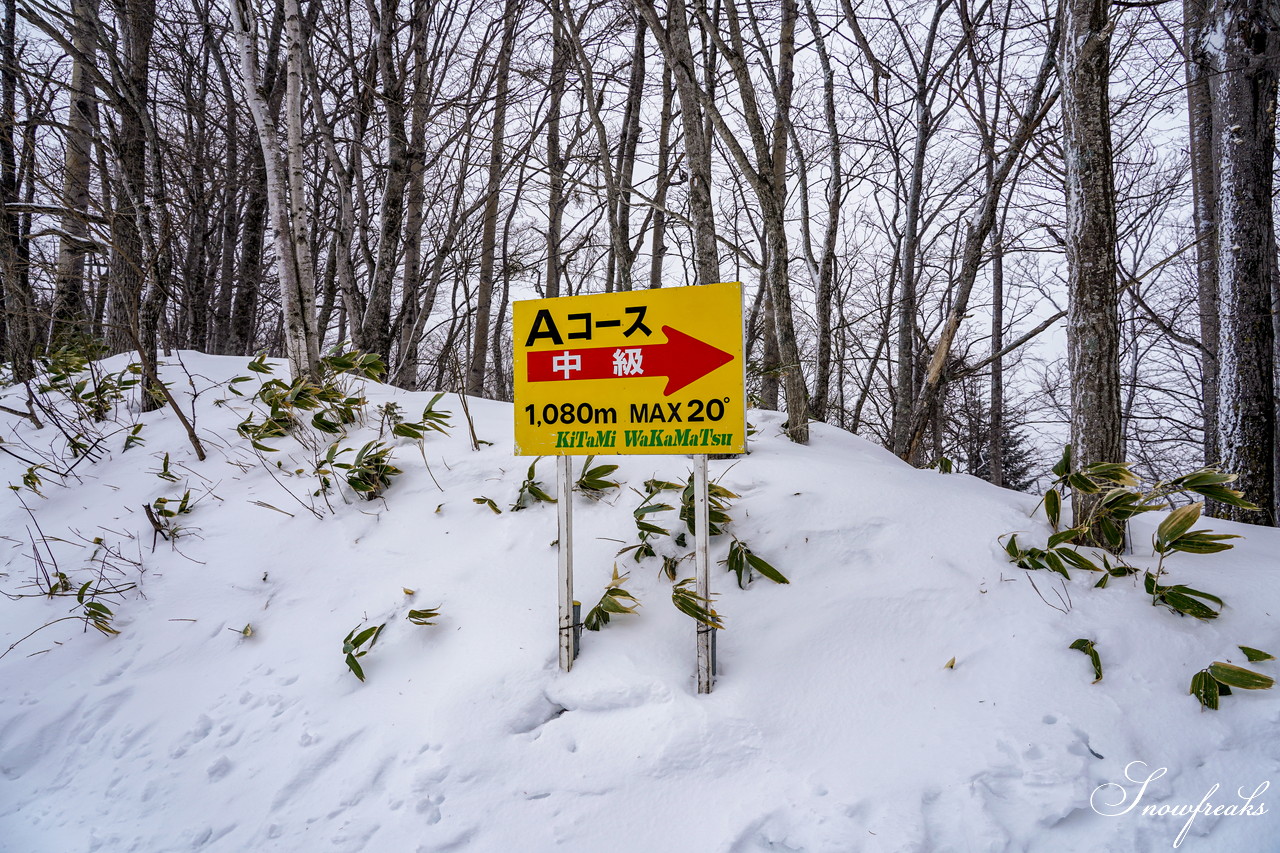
pixel 835 725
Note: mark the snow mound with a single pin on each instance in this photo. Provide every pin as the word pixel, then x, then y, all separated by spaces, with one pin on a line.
pixel 222 716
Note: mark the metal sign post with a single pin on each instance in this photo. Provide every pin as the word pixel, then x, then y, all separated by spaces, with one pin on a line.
pixel 702 563
pixel 564 578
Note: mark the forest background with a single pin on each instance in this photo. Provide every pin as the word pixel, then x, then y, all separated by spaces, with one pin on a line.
pixel 970 231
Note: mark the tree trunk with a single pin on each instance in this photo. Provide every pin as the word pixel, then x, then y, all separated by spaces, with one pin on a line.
pixel 835 194
pixel 406 373
pixel 1243 94
pixel 242 338
pixel 908 372
pixel 1093 339
pixel 69 309
pixel 626 161
pixel 345 229
pixel 444 248
pixel 995 438
pixel 793 381
pixel 678 51
pixel 220 322
pixel 1204 183
pixel 489 228
pixel 248 280
pixel 768 179
pixel 19 302
pixel 619 247
pixel 556 200
pixel 127 266
pixel 376 323
pixel 658 246
pixel 284 186
pixel 935 374
pixel 770 362
pixel 299 289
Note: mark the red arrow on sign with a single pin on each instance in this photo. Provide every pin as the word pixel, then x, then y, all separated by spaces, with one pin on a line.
pixel 683 359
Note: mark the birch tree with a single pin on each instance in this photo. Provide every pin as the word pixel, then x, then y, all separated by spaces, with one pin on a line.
pixel 284 183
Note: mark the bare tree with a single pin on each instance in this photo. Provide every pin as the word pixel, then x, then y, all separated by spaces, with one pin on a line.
pixel 69 309
pixel 284 179
pixel 677 50
pixel 767 175
pixel 489 237
pixel 998 171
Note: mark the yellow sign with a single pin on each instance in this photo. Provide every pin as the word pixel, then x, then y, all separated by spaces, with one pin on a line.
pixel 642 371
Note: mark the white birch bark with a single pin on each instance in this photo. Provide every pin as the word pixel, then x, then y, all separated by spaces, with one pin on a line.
pixel 284 185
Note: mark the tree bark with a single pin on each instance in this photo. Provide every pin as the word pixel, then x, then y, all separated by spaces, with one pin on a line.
pixel 826 272
pixel 376 323
pixel 489 228
pixel 626 160
pixel 556 201
pixel 242 338
pixel 284 186
pixel 907 381
pixel 220 321
pixel 69 309
pixel 1093 338
pixel 19 302
pixel 995 439
pixel 792 369
pixel 406 373
pixel 127 266
pixel 1243 94
pixel 678 51
pixel 658 244
pixel 768 180
pixel 1204 191
pixel 299 297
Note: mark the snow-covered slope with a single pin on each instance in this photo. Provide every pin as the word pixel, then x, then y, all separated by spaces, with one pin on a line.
pixel 835 725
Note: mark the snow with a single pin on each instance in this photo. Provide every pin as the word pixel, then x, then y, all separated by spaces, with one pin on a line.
pixel 835 724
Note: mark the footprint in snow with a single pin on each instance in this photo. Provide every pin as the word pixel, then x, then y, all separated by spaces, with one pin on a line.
pixel 219 769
